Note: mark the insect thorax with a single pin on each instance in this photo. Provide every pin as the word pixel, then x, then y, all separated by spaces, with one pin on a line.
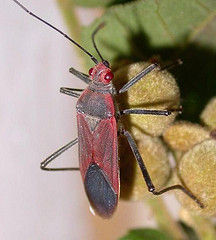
pixel 96 103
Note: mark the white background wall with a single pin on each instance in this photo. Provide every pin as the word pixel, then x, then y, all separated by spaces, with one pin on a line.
pixel 35 119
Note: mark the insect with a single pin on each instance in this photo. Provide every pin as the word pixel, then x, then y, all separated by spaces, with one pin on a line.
pixel 98 130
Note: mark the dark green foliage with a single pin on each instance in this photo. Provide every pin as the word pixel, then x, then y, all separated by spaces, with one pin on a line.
pixel 169 29
pixel 145 234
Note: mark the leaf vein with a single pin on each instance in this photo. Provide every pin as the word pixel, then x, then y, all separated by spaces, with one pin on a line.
pixel 164 25
pixel 203 6
pixel 200 27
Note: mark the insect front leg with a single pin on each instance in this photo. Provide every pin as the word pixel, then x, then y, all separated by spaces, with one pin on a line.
pixel 71 91
pixel 146 71
pixel 54 155
pixel 82 76
pixel 146 176
pixel 138 77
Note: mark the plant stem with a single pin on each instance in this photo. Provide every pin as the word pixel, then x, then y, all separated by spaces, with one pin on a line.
pixel 204 228
pixel 164 220
pixel 67 9
pixel 68 12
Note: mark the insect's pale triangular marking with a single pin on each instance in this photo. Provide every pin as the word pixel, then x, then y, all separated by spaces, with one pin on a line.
pixel 92 122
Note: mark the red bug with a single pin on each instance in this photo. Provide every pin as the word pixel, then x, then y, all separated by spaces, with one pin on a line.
pixel 97 119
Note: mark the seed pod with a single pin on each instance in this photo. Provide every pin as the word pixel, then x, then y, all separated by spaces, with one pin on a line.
pixel 155 156
pixel 157 90
pixel 197 170
pixel 208 115
pixel 182 136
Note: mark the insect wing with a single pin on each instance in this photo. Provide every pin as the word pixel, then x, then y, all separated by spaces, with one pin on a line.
pixel 105 150
pixel 99 162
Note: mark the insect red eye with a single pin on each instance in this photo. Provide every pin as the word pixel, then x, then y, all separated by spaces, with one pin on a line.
pixel 109 76
pixel 90 71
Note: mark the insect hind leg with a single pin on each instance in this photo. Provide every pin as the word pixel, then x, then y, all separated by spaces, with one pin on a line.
pixel 147 177
pixel 57 153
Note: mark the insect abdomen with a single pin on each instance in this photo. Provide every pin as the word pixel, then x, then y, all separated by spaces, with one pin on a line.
pixel 100 192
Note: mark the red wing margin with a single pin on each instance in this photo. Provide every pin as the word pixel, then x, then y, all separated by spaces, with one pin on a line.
pixel 85 144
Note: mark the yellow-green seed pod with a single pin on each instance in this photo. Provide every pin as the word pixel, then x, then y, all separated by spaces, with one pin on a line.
pixel 157 90
pixel 197 170
pixel 154 154
pixel 182 136
pixel 208 115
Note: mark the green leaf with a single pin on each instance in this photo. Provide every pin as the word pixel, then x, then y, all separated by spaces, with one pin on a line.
pixel 92 3
pixel 67 9
pixel 170 29
pixel 145 234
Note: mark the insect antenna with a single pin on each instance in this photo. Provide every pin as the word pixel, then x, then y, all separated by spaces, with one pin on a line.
pixel 93 40
pixel 62 33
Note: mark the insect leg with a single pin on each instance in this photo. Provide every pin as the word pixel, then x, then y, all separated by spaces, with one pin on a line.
pixel 138 77
pixel 146 176
pixel 53 156
pixel 84 77
pixel 71 91
pixel 172 64
pixel 149 112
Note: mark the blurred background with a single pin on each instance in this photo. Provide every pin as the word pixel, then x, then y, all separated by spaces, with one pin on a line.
pixel 35 120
